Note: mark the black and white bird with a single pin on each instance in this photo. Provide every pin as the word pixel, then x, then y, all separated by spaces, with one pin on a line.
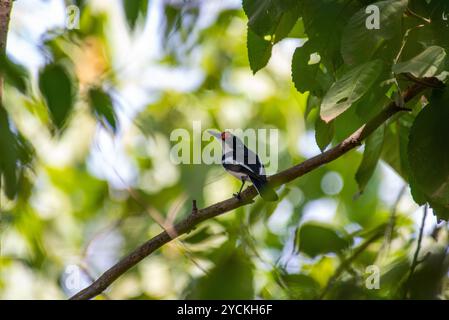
pixel 243 164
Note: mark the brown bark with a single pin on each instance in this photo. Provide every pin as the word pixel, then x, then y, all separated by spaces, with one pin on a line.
pixel 5 12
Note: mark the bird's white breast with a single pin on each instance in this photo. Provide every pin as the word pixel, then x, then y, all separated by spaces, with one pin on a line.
pixel 239 175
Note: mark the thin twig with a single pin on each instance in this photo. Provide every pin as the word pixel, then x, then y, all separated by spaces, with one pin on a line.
pixel 398 56
pixel 414 14
pixel 415 261
pixel 383 251
pixel 247 196
pixel 345 264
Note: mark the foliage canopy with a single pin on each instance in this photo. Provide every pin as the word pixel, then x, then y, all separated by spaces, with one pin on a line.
pixel 84 149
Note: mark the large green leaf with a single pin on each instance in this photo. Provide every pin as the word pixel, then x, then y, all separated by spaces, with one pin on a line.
pixel 263 15
pixel 101 104
pixel 269 22
pixel 428 63
pixel 307 75
pixel 56 86
pixel 288 20
pixel 315 238
pixel 349 88
pixel 359 44
pixel 371 155
pixel 324 21
pixel 375 99
pixel 259 51
pixel 428 154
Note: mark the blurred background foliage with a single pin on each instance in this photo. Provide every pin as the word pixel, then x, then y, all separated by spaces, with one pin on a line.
pixel 85 184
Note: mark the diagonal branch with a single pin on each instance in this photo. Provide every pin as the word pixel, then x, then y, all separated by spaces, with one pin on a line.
pixel 199 215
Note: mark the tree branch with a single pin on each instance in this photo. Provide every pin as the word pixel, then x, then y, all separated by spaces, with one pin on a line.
pixel 5 12
pixel 199 215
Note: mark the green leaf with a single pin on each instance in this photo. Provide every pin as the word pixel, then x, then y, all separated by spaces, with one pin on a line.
pixel 269 22
pixel 259 51
pixel 262 15
pixel 301 286
pixel 371 155
pixel 374 100
pixel 286 23
pixel 57 89
pixel 428 154
pixel 428 63
pixel 324 132
pixel 101 104
pixel 271 17
pixel 313 103
pixel 231 278
pixel 359 44
pixel 307 75
pixel 134 8
pixel 428 34
pixel 315 238
pixel 15 74
pixel 324 21
pixel 394 151
pixel 349 88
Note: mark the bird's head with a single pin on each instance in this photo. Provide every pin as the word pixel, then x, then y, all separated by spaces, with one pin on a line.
pixel 221 136
pixel 225 135
pixel 229 141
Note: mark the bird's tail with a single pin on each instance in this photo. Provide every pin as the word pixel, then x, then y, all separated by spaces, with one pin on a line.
pixel 265 191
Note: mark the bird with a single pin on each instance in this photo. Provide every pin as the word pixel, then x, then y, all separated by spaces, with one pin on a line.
pixel 244 164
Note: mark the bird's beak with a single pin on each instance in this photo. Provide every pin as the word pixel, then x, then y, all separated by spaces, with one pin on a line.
pixel 216 134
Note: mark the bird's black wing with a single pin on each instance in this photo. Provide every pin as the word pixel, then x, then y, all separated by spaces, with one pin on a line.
pixel 254 164
pixel 250 158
